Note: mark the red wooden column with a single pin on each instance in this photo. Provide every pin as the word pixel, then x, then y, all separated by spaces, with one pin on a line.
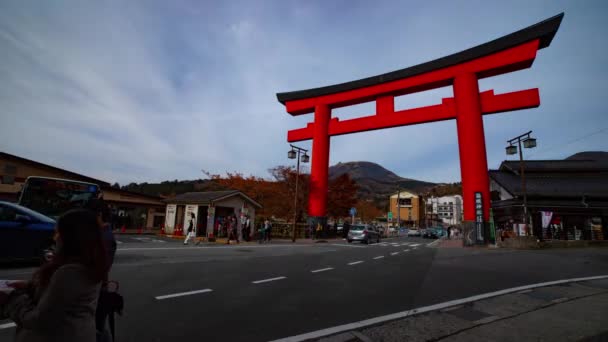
pixel 472 148
pixel 317 199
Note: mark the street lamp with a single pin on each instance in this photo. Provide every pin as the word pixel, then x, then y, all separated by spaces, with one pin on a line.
pixel 529 142
pixel 304 158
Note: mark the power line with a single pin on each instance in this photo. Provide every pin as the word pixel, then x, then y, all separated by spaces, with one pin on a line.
pixel 586 136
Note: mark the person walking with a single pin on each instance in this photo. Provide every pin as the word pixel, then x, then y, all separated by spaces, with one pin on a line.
pixel 191 232
pixel 267 230
pixel 59 302
pixel 449 233
pixel 104 312
pixel 346 229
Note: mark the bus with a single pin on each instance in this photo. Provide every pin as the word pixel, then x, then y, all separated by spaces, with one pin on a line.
pixel 53 196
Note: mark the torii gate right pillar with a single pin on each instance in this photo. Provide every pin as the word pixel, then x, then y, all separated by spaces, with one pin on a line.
pixel 473 160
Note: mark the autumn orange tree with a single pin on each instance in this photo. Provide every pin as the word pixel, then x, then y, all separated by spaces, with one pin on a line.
pixel 342 195
pixel 367 210
pixel 277 194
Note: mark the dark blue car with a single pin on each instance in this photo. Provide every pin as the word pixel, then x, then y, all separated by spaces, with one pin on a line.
pixel 24 233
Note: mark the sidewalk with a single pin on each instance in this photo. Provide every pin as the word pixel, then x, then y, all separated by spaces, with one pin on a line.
pixel 566 312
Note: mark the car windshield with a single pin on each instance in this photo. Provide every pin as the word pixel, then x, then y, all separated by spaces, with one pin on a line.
pixel 358 228
pixel 33 214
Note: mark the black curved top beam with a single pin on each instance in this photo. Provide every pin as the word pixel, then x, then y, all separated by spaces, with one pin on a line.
pixel 544 31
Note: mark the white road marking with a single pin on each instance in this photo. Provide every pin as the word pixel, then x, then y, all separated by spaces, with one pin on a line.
pixel 173 295
pixel 267 280
pixel 394 253
pixel 434 243
pixel 161 241
pixel 405 244
pixel 322 270
pixel 118 242
pixel 379 257
pixel 195 248
pixel 371 321
pixel 343 245
pixel 415 245
pixel 406 250
pixel 7 325
pixel 354 263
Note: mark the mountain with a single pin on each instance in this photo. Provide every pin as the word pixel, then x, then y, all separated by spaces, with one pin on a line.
pixel 375 182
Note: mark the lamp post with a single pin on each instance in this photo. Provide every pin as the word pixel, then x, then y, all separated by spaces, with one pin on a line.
pixel 295 154
pixel 529 142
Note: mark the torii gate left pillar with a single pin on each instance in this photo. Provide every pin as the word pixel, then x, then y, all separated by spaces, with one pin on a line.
pixel 462 71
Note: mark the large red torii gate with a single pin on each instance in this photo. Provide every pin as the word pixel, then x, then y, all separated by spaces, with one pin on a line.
pixel 461 70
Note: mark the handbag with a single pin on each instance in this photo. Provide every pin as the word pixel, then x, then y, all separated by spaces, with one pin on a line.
pixel 111 302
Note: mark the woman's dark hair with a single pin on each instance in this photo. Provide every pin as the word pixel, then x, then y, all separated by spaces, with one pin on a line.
pixel 80 242
pixel 100 207
pixel 192 215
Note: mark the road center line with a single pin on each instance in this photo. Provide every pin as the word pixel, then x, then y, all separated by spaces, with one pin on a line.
pixel 379 257
pixel 322 270
pixel 182 294
pixel 354 262
pixel 267 280
pixel 394 253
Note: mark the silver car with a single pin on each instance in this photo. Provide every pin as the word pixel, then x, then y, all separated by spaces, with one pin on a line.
pixel 363 233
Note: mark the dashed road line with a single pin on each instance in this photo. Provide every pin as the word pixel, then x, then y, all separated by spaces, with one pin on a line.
pixel 415 244
pixel 354 262
pixel 322 270
pixel 379 257
pixel 406 250
pixel 394 253
pixel 181 294
pixel 268 280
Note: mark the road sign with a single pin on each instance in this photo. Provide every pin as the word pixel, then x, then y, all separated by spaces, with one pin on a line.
pixel 353 211
pixel 390 215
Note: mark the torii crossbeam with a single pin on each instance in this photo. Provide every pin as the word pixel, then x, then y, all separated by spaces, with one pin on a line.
pixel 462 71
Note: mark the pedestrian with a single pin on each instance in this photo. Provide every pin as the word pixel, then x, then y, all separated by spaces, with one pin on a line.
pixel 104 309
pixel 345 229
pixel 267 230
pixel 449 233
pixel 59 302
pixel 191 232
pixel 247 229
pixel 335 229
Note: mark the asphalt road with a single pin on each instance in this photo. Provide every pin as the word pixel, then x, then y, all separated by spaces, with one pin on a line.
pixel 264 292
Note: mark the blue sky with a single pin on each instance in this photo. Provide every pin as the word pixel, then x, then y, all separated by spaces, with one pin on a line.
pixel 154 90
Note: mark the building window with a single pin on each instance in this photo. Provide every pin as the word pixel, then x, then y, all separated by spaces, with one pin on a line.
pixel 10 169
pixel 8 179
pixel 405 201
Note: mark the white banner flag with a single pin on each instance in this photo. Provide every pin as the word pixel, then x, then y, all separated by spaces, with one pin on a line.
pixel 546 218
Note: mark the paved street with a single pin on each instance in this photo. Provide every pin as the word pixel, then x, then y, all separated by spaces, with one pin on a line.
pixel 253 292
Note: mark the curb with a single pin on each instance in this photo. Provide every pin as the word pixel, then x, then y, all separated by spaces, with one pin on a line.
pixel 416 311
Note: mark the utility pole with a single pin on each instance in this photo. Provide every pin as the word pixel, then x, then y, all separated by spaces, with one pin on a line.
pixel 398 208
pixel 529 142
pixel 292 155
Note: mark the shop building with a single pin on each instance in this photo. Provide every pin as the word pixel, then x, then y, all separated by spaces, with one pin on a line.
pixel 209 210
pixel 566 199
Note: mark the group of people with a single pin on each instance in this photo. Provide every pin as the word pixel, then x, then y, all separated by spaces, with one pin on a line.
pixel 265 231
pixel 65 298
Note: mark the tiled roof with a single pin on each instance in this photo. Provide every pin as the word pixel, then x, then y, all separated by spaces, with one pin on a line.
pixel 550 184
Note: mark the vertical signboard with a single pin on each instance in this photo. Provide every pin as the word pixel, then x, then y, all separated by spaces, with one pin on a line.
pixel 190 218
pixel 170 218
pixel 479 216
